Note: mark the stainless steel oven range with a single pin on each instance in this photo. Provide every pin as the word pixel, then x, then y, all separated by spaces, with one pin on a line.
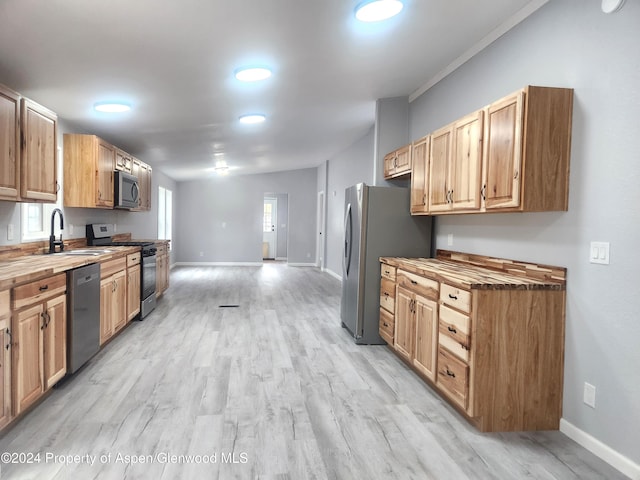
pixel 100 234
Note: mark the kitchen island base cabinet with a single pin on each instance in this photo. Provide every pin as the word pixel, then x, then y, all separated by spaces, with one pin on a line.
pixel 489 340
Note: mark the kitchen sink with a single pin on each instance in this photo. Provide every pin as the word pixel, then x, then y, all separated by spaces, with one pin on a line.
pixel 90 252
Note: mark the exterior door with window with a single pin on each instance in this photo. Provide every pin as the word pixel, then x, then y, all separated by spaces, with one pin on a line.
pixel 269 228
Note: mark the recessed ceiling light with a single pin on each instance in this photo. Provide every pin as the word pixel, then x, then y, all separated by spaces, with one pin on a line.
pixel 252 74
pixel 253 118
pixel 378 10
pixel 111 107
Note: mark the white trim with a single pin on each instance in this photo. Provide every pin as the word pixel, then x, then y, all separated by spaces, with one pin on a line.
pixel 281 259
pixel 218 264
pixel 302 265
pixel 333 274
pixel 481 45
pixel 606 453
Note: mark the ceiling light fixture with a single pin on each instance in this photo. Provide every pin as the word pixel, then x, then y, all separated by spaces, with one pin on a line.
pixel 111 107
pixel 378 10
pixel 252 118
pixel 252 74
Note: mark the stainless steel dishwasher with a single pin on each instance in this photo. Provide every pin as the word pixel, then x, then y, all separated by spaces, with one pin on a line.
pixel 83 315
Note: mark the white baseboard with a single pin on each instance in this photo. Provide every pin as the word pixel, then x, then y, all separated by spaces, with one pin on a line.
pixel 302 264
pixel 333 274
pixel 218 264
pixel 606 453
pixel 281 259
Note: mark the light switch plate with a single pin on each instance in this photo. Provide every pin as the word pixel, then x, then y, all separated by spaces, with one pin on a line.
pixel 10 231
pixel 599 253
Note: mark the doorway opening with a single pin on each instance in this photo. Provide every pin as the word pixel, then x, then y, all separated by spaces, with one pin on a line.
pixel 275 221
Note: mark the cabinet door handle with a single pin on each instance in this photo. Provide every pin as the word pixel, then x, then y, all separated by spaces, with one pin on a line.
pixel 515 175
pixel 453 297
pixel 413 282
pixel 44 287
pixel 451 329
pixel 44 320
pixel 450 373
pixel 386 294
pixel 8 332
pixel 483 192
pixel 385 324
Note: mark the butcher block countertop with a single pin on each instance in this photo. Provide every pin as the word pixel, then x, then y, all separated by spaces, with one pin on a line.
pixel 471 271
pixel 27 268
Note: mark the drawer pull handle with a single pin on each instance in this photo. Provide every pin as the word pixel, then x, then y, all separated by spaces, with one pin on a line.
pixel 413 282
pixel 453 297
pixel 386 294
pixel 387 272
pixel 450 373
pixel 385 324
pixel 44 287
pixel 452 330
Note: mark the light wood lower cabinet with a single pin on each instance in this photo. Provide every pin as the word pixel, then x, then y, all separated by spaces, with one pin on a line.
pixel 113 298
pixel 416 330
pixel 387 303
pixel 491 341
pixel 162 268
pixel 39 348
pixel 133 286
pixel 5 359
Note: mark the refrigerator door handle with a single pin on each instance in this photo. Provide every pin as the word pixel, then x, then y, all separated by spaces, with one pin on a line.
pixel 346 259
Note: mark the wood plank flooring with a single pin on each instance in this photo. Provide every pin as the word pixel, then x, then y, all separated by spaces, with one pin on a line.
pixel 272 388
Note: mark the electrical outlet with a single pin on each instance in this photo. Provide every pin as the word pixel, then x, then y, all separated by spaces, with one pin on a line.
pixel 589 395
pixel 202 254
pixel 115 228
pixel 10 231
pixel 70 227
pixel 450 240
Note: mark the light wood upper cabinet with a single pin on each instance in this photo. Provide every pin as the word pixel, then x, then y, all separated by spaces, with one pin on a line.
pixel 455 165
pixel 124 161
pixel 104 174
pixel 38 179
pixel 527 151
pixel 88 171
pixel 511 156
pixel 398 162
pixel 9 144
pixel 419 176
pixel 143 172
pixel 439 159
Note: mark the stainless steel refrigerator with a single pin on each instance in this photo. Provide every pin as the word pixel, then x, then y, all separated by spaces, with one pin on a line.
pixel 377 224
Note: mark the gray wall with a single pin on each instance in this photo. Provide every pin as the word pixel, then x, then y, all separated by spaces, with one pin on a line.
pixel 140 224
pixel 351 166
pixel 391 132
pixel 569 43
pixel 221 217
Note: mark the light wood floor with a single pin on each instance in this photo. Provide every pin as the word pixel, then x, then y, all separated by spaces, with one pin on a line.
pixel 270 389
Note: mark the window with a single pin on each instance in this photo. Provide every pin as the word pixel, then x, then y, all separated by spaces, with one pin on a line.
pixel 165 213
pixel 267 219
pixel 35 221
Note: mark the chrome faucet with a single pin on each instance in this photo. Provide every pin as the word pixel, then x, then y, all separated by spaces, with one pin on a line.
pixel 53 243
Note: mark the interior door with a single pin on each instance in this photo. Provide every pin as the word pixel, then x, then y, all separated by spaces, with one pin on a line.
pixel 270 228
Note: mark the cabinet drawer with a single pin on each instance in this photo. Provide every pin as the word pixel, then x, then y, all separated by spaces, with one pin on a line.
pixel 133 259
pixel 41 290
pixel 420 285
pixel 387 326
pixel 387 294
pixel 453 377
pixel 454 328
pixel 457 298
pixel 161 248
pixel 112 266
pixel 387 271
pixel 4 304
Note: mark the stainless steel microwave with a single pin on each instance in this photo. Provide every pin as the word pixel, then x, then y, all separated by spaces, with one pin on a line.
pixel 127 191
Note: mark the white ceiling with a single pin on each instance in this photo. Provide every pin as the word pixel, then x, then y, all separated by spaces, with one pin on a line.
pixel 173 61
